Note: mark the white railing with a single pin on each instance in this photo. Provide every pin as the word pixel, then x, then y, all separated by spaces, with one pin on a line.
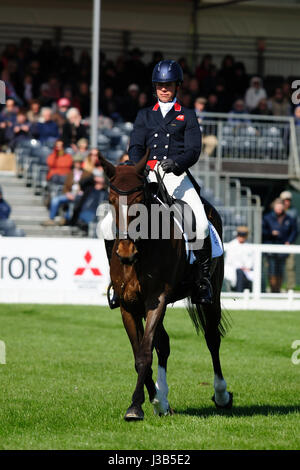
pixel 256 299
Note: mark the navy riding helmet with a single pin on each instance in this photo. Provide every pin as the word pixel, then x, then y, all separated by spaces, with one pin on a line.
pixel 167 71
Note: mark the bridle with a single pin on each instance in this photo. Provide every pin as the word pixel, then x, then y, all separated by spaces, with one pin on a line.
pixel 121 192
pixel 129 191
pixel 144 188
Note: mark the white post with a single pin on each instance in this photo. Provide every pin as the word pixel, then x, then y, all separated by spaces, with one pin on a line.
pixel 290 298
pixel 95 73
pixel 246 298
pixel 2 353
pixel 257 272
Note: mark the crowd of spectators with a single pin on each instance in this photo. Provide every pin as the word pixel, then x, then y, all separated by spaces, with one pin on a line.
pixel 40 78
pixel 82 182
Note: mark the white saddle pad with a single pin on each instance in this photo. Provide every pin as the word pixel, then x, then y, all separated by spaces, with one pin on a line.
pixel 216 244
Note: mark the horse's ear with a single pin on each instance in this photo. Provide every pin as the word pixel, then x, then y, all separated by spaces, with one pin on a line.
pixel 109 168
pixel 140 166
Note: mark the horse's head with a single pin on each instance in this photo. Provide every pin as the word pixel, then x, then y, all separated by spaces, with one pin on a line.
pixel 126 188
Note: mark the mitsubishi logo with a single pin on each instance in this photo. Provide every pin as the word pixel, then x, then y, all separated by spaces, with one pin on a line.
pixel 88 258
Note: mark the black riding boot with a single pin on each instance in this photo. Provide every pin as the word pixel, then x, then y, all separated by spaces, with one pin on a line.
pixel 112 298
pixel 202 290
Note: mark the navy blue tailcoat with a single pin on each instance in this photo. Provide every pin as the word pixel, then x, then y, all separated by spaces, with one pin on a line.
pixel 176 136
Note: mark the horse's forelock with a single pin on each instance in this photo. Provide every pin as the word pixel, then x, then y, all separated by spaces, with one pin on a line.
pixel 126 178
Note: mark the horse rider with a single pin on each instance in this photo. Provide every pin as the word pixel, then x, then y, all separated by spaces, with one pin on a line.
pixel 172 134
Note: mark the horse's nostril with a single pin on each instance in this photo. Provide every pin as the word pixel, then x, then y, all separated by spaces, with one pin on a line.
pixel 126 252
pixel 128 259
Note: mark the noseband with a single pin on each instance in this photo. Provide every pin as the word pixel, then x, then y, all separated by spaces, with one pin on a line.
pixel 129 191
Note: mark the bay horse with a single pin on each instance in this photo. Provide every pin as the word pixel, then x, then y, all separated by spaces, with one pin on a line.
pixel 147 275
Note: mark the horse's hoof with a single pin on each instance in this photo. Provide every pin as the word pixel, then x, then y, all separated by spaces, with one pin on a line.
pixel 170 412
pixel 228 406
pixel 134 413
pixel 161 409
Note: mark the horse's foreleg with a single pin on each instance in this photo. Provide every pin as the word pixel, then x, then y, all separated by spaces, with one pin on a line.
pixel 162 346
pixel 222 398
pixel 135 332
pixel 143 362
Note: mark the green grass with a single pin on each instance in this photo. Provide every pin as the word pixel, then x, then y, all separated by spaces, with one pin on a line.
pixel 70 375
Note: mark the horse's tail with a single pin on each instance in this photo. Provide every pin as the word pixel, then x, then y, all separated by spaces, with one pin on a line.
pixel 211 315
pixel 201 317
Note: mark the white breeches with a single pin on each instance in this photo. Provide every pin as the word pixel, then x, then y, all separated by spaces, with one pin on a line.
pixel 182 188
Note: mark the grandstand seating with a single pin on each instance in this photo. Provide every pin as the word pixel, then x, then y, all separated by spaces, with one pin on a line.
pixel 236 206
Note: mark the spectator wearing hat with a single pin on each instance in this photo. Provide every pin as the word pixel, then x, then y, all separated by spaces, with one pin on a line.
pixel 238 270
pixel 287 197
pixel 255 93
pixel 63 104
pixel 210 141
pixel 71 193
pixel 278 228
pixel 199 107
pixel 290 266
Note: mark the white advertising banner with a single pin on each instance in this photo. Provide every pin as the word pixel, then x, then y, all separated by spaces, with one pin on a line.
pixel 53 270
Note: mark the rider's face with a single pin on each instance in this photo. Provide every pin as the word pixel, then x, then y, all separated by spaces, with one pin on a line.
pixel 165 91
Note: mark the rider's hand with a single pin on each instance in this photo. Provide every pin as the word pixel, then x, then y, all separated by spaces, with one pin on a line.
pixel 169 166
